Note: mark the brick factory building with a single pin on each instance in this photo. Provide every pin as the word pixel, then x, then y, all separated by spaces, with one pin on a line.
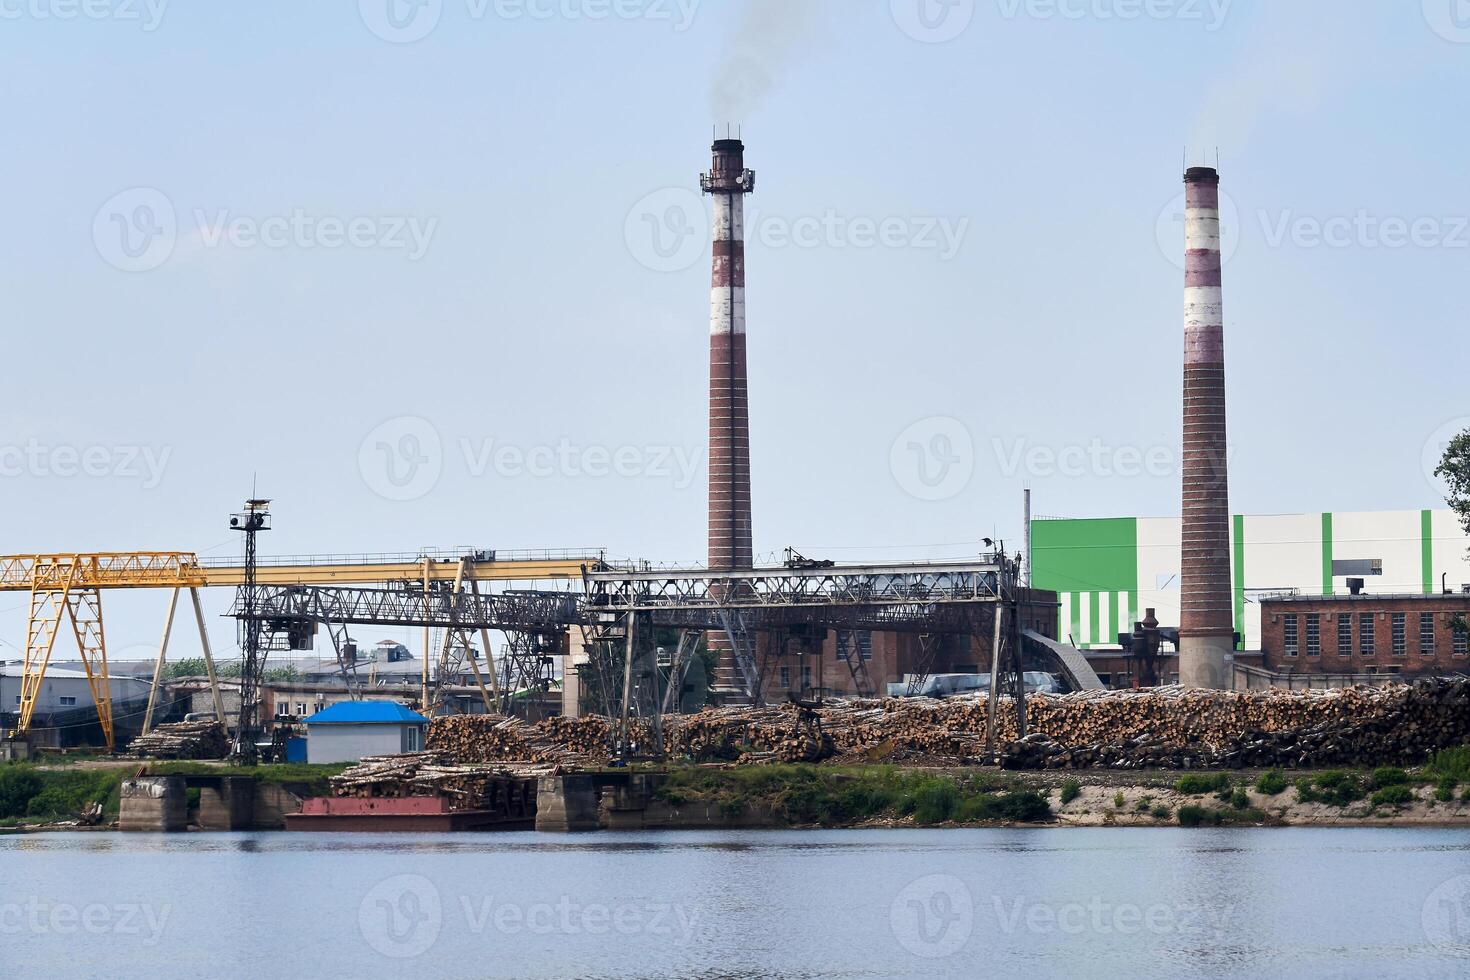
pixel 1407 635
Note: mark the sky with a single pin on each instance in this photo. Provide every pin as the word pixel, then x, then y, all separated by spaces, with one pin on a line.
pixel 434 273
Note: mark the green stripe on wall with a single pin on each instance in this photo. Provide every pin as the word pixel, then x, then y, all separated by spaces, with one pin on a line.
pixel 1076 617
pixel 1134 613
pixel 1240 578
pixel 1426 530
pixel 1327 554
pixel 1094 609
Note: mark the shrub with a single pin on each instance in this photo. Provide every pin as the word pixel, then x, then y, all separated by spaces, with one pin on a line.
pixel 1144 805
pixel 1453 762
pixel 1334 787
pixel 1388 776
pixel 1119 800
pixel 1162 812
pixel 1272 783
pixel 1445 791
pixel 1394 796
pixel 1198 784
pixel 1071 789
pixel 18 784
pixel 936 802
pixel 1197 816
pixel 1240 800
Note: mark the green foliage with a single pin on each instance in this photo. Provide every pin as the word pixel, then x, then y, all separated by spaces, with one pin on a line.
pixel 1454 467
pixel 1454 763
pixel 1334 787
pixel 1388 776
pixel 1144 805
pixel 1395 796
pixel 1071 789
pixel 18 784
pixel 827 796
pixel 1198 784
pixel 1199 816
pixel 1240 800
pixel 1445 791
pixel 1118 800
pixel 1161 812
pixel 1272 783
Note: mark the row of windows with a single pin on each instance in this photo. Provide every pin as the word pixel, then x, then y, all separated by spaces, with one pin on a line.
pixel 1367 635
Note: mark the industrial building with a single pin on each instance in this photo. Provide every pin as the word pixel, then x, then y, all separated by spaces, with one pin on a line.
pixel 1109 572
pixel 66 711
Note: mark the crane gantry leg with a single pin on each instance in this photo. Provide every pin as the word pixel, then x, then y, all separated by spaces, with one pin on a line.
pixel 54 594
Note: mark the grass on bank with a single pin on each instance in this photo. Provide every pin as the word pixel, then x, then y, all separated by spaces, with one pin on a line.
pixel 838 797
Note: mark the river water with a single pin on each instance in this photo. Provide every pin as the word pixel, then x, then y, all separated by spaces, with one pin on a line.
pixel 1135 903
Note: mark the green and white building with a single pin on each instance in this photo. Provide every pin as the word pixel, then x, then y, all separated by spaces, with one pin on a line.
pixel 1109 571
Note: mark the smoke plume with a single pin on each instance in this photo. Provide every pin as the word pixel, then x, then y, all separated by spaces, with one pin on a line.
pixel 769 35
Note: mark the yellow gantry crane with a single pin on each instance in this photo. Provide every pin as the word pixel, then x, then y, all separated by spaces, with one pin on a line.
pixel 70 586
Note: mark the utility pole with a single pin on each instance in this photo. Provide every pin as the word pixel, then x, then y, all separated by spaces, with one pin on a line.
pixel 255 518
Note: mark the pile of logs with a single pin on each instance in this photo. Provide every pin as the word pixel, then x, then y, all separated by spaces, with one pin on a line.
pixel 471 787
pixel 1164 727
pixel 182 740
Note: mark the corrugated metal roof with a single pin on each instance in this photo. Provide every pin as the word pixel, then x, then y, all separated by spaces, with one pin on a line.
pixel 367 713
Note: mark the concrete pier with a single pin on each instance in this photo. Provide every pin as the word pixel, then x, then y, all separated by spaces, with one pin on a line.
pixel 154 804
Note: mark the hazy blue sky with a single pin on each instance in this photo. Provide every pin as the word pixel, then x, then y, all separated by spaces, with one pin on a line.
pixel 360 251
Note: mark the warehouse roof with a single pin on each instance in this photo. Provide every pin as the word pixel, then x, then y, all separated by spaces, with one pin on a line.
pixel 367 713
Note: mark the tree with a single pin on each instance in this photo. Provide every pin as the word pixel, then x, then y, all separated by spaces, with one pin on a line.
pixel 1454 468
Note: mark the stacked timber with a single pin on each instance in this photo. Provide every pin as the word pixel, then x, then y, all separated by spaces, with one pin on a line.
pixel 1165 727
pixel 182 740
pixel 469 786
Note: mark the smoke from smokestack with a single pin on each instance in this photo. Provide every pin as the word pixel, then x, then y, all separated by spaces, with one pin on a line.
pixel 769 35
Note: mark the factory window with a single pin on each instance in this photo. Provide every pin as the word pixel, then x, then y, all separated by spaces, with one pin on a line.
pixel 301 708
pixel 786 677
pixel 806 675
pixel 1367 635
pixel 1426 634
pixel 283 709
pixel 1462 640
pixel 1314 635
pixel 1345 635
pixel 1400 634
pixel 67 702
pixel 865 646
pixel 1292 639
pixel 412 740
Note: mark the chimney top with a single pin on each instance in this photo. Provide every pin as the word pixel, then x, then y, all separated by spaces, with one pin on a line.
pixel 1202 175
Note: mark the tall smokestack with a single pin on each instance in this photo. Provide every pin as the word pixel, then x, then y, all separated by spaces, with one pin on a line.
pixel 729 412
pixel 1207 630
